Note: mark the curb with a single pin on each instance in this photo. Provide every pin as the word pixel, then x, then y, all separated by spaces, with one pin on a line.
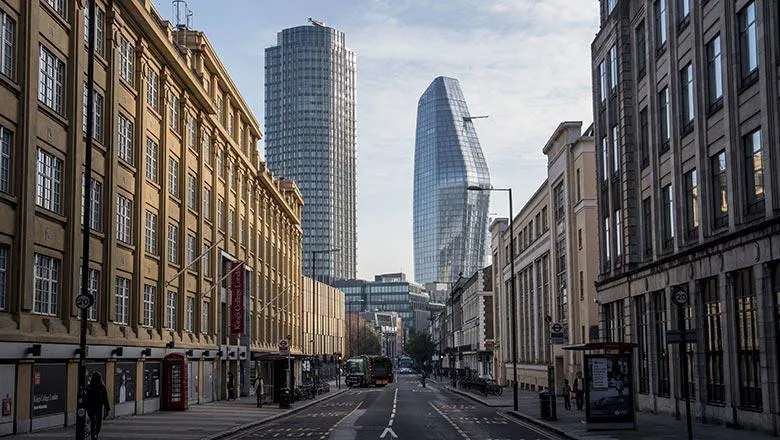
pixel 473 397
pixel 544 425
pixel 293 410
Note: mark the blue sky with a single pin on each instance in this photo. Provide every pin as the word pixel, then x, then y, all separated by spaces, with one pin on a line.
pixel 525 63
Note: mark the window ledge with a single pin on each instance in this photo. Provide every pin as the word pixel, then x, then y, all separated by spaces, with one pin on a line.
pixel 52 113
pixel 748 81
pixel 50 214
pixel 10 83
pixel 9 198
pixel 127 246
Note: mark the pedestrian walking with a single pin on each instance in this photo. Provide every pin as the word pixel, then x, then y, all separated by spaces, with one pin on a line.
pixel 259 387
pixel 97 404
pixel 566 394
pixel 579 390
pixel 231 386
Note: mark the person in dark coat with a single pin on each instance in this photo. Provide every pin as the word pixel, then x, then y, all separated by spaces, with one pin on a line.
pixel 579 390
pixel 231 386
pixel 97 404
pixel 259 386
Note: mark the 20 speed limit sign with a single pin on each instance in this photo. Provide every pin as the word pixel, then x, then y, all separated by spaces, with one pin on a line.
pixel 680 297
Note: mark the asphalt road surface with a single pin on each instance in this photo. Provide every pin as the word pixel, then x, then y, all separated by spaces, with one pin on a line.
pixel 403 410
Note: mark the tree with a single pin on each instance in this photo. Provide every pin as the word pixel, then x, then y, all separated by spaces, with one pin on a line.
pixel 420 347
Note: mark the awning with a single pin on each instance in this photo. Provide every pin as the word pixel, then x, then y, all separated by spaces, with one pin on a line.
pixel 621 346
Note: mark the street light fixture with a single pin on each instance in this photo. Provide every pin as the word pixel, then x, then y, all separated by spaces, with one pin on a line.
pixel 512 280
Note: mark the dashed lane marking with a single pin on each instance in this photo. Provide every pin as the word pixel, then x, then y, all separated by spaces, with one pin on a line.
pixel 327 434
pixel 445 417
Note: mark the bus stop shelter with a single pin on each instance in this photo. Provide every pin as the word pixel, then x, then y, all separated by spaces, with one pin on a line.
pixel 609 385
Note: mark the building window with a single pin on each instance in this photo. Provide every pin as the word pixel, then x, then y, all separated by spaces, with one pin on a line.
pixel 579 187
pixel 714 74
pixel 607 243
pixel 720 203
pixel 560 202
pixel 206 259
pixel 691 205
pixel 667 197
pixel 173 177
pixel 150 299
pixel 93 283
pixel 661 25
pixel 611 5
pixel 545 225
pixel 661 347
pixel 95 207
pixel 242 232
pixel 754 171
pixel 618 235
pixel 647 226
pixel 687 98
pixel 126 60
pixel 644 139
pixel 643 344
pixel 122 301
pixel 603 81
pixel 221 163
pixel 150 238
pixel 230 126
pixel 579 238
pixel 170 311
pixel 713 341
pixel 152 157
pixel 173 113
pixel 173 245
pixel 51 80
pixel 206 316
pixel 7 45
pixel 748 347
pixel 192 191
pixel 152 89
pixel 220 213
pixel 191 132
pixel 6 144
pixel 49 182
pixel 641 50
pixel 97 119
pixel 207 150
pixel 613 68
pixel 232 223
pixel 124 223
pixel 46 284
pixel 683 12
pixel 192 252
pixel 615 149
pixel 125 138
pixel 604 159
pixel 58 6
pixel 665 119
pixel 561 277
pixel 190 322
pixel 748 43
pixel 3 277
pixel 207 202
pixel 100 17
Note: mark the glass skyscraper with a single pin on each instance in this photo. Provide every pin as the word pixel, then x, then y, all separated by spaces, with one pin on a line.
pixel 449 221
pixel 310 138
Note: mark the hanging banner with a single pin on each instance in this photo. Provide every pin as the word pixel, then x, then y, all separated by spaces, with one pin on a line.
pixel 237 297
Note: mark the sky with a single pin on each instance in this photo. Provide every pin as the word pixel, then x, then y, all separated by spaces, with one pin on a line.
pixel 524 63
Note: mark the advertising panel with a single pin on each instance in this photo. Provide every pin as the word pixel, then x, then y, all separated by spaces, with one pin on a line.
pixel 237 297
pixel 49 389
pixel 608 390
pixel 124 382
pixel 151 380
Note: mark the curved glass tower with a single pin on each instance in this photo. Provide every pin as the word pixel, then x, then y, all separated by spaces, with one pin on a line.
pixel 310 138
pixel 450 222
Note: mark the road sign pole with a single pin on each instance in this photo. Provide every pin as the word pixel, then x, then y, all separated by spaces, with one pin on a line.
pixel 680 297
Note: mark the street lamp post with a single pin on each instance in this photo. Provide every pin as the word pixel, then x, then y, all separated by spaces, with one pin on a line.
pixel 512 289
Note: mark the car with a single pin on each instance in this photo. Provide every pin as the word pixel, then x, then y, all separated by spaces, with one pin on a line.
pixel 404 370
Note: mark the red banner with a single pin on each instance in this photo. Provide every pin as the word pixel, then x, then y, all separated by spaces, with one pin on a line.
pixel 237 297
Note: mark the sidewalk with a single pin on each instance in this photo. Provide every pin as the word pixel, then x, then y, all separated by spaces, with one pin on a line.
pixel 571 424
pixel 208 421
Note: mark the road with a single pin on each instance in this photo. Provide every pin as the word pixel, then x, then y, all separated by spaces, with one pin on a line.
pixel 404 410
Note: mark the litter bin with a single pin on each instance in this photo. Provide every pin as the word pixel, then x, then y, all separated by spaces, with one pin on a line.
pixel 285 398
pixel 544 405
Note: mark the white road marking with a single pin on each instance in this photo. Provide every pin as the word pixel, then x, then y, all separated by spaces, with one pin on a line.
pixel 457 428
pixel 525 425
pixel 327 434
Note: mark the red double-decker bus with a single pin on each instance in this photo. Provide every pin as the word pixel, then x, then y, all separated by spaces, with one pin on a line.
pixel 380 370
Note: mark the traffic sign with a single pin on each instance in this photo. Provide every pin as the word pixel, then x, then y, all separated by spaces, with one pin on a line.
pixel 678 337
pixel 556 327
pixel 557 334
pixel 680 297
pixel 284 346
pixel 84 301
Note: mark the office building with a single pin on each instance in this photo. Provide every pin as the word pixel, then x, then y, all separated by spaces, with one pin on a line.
pixel 555 265
pixel 179 194
pixel 310 138
pixel 471 320
pixel 449 221
pixel 685 101
pixel 388 293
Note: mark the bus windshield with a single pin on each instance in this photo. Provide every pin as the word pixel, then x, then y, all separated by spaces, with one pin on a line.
pixel 405 362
